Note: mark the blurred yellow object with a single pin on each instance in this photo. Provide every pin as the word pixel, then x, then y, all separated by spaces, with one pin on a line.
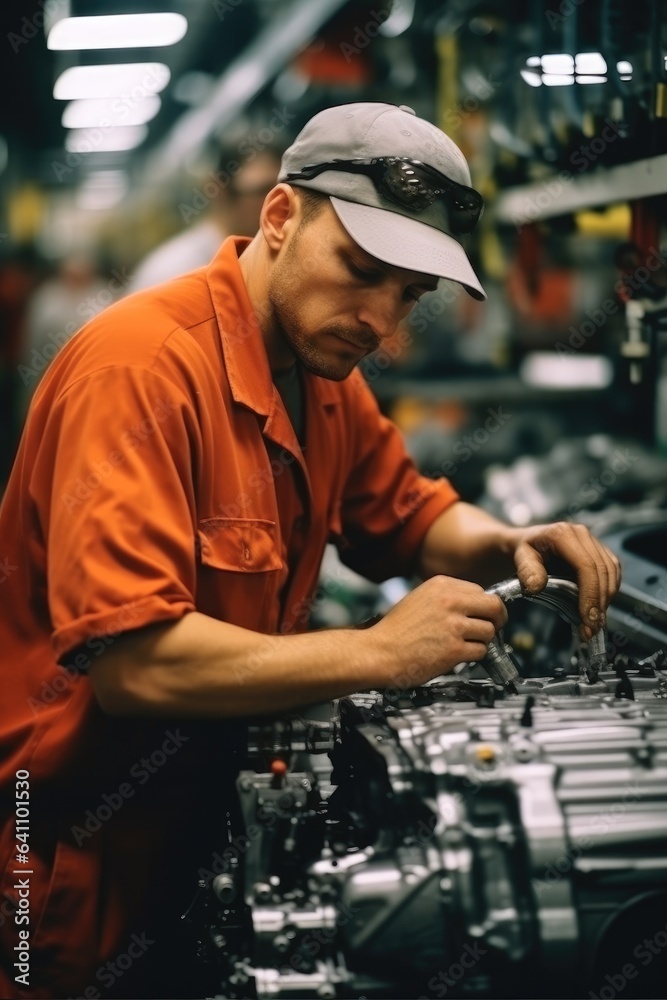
pixel 409 414
pixel 613 223
pixel 523 641
pixel 447 93
pixel 485 754
pixel 25 212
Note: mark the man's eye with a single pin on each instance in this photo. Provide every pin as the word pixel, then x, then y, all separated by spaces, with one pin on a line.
pixel 359 272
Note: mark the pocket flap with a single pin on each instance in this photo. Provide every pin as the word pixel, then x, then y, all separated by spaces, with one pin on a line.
pixel 239 544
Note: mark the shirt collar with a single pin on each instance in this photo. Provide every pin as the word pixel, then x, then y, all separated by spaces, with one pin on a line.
pixel 241 338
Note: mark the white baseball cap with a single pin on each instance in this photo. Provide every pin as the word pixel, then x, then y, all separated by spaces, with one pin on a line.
pixel 402 192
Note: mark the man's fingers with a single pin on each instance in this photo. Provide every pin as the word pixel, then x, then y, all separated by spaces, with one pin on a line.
pixel 479 630
pixel 475 651
pixel 530 568
pixel 490 608
pixel 597 569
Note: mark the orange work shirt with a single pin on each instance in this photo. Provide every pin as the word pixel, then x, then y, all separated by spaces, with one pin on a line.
pixel 159 474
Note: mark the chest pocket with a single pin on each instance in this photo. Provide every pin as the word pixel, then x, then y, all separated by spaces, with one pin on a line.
pixel 239 544
pixel 241 571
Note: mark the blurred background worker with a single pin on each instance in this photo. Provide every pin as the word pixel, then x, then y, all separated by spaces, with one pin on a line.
pixel 59 307
pixel 233 208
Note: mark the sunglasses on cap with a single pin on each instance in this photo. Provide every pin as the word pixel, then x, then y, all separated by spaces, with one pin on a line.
pixel 411 184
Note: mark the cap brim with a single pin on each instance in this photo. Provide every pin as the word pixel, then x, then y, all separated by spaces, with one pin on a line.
pixel 407 243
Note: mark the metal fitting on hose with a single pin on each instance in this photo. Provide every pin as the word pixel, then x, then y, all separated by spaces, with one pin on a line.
pixel 559 595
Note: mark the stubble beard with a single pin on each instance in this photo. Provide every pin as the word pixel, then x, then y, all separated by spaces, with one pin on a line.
pixel 302 346
pixel 283 293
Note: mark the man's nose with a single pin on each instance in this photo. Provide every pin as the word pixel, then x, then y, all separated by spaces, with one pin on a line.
pixel 381 313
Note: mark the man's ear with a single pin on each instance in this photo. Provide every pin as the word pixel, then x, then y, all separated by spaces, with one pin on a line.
pixel 279 215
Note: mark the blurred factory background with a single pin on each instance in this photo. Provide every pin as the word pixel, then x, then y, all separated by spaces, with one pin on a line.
pixel 128 124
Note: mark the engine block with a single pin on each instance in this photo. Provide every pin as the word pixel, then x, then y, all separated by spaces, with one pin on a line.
pixel 458 839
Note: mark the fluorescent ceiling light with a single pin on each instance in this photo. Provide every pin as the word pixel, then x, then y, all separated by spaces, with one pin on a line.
pixel 625 69
pixel 98 140
pixel 557 80
pixel 532 79
pixel 533 61
pixel 102 111
pixel 111 81
pixel 590 63
pixel 106 179
pixel 117 31
pixel 102 189
pixel 560 63
pixel 591 79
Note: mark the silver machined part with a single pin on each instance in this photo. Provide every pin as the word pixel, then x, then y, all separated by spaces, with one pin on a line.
pixel 559 595
pixel 499 665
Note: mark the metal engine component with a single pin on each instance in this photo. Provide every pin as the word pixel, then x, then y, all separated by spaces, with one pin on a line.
pixel 560 596
pixel 464 842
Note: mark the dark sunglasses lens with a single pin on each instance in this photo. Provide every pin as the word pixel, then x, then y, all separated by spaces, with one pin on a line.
pixel 408 186
pixel 465 209
pixel 462 220
pixel 401 185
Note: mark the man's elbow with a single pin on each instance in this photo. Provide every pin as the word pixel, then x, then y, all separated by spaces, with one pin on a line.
pixel 113 692
pixel 127 677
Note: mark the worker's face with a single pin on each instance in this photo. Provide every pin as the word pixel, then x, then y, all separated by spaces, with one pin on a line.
pixel 331 302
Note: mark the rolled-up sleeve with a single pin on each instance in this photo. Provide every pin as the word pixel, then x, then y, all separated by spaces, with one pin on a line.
pixel 387 505
pixel 118 520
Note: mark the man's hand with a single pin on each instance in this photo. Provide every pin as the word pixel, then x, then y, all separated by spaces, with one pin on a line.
pixel 597 569
pixel 467 542
pixel 439 624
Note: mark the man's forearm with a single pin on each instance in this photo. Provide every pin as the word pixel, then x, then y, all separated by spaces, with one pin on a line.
pixel 202 667
pixel 467 542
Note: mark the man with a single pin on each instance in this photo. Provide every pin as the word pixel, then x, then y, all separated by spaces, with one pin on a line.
pixel 186 459
pixel 233 209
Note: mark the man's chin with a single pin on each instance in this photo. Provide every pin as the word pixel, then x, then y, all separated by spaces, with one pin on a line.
pixel 324 368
